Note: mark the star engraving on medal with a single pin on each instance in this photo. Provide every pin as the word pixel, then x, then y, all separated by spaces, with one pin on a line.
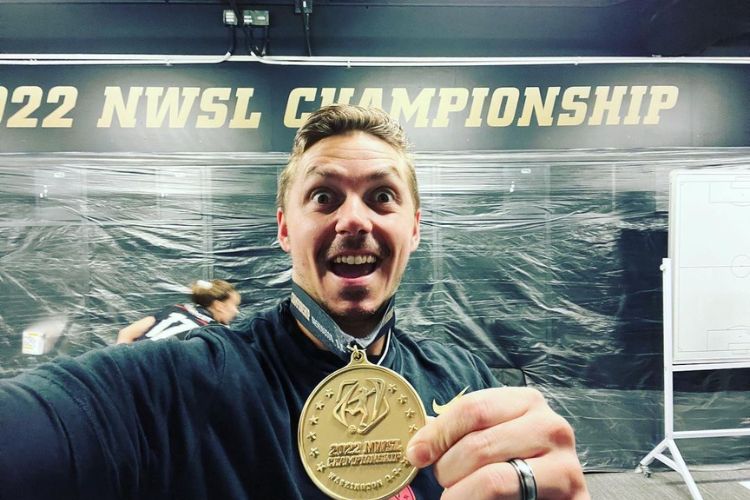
pixel 391 388
pixel 313 436
pixel 313 420
pixel 314 452
pixel 320 405
pixel 329 393
pixel 409 413
pixel 321 467
pixel 412 428
pixel 403 399
pixel 405 462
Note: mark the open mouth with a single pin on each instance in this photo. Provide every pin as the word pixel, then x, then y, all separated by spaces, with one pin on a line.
pixel 353 266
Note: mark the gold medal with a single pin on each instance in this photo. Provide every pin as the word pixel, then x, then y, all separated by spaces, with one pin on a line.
pixel 354 429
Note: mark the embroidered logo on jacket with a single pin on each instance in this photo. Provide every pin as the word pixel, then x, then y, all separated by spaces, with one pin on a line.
pixel 440 409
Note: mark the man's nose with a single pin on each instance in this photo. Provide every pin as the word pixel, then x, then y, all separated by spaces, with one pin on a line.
pixel 353 217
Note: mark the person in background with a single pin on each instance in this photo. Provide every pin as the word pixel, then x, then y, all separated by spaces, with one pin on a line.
pixel 213 301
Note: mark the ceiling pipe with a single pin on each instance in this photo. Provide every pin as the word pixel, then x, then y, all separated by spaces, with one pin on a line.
pixel 170 60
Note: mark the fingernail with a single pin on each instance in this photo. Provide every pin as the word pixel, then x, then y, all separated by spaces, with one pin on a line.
pixel 418 454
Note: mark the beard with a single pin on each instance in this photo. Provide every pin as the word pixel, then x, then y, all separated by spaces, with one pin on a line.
pixel 357 321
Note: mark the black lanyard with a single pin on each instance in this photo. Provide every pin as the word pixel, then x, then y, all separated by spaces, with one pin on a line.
pixel 319 323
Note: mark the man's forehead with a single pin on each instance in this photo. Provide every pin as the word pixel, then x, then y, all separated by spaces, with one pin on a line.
pixel 346 156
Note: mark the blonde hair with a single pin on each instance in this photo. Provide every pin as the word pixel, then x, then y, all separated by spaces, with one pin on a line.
pixel 340 119
pixel 204 293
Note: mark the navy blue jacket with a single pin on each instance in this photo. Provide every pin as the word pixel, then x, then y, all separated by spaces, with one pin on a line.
pixel 211 417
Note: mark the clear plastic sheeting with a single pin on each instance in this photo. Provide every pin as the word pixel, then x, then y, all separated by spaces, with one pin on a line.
pixel 544 263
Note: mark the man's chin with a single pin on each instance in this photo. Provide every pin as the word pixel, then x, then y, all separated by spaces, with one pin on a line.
pixel 354 305
pixel 353 312
pixel 354 315
pixel 354 294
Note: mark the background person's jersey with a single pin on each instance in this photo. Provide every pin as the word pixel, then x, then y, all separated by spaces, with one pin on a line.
pixel 177 320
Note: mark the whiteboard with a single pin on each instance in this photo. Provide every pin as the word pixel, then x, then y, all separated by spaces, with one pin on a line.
pixel 709 244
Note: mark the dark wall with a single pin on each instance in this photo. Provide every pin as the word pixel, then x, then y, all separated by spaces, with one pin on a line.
pixel 388 28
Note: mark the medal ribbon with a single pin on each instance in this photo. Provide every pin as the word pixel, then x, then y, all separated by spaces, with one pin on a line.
pixel 321 325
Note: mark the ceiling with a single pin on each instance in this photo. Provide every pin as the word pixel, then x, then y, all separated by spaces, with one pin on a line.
pixel 490 28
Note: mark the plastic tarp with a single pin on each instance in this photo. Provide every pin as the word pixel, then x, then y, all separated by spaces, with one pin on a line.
pixel 544 263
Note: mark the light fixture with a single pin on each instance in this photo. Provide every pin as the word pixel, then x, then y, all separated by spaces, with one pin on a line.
pixel 249 17
pixel 255 17
pixel 230 18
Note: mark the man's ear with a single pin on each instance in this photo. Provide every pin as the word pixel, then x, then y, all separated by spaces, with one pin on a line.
pixel 415 232
pixel 283 233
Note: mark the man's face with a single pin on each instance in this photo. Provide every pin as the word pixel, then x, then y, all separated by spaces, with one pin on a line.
pixel 350 225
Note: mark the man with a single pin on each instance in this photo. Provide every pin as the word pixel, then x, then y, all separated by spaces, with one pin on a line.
pixel 217 416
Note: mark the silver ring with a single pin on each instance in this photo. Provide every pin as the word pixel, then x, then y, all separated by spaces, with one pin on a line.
pixel 525 478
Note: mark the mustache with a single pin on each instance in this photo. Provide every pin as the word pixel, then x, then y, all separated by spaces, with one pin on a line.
pixel 359 243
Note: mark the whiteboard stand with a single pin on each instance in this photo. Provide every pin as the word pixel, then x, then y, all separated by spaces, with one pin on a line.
pixel 676 463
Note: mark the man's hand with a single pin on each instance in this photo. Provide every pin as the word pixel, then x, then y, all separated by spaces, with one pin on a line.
pixel 470 445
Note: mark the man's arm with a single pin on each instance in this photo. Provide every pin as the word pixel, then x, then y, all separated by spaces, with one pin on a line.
pixel 471 443
pixel 48 445
pixel 34 461
pixel 107 424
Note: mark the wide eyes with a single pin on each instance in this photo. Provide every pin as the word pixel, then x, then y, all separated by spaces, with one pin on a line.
pixel 322 197
pixel 384 195
pixel 327 198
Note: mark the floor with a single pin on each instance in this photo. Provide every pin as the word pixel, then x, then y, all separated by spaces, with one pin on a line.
pixel 727 483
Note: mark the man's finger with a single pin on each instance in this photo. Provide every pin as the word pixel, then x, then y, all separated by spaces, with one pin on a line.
pixel 491 482
pixel 476 411
pixel 528 436
pixel 556 476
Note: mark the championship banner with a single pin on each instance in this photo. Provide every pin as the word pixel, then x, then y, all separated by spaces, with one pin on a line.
pixel 240 106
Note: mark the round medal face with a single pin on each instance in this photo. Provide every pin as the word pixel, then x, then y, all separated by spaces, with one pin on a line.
pixel 354 429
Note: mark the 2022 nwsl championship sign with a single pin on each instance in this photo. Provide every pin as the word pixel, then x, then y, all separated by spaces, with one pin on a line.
pixel 256 107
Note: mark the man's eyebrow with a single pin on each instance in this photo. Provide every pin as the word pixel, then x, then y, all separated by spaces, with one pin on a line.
pixel 333 173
